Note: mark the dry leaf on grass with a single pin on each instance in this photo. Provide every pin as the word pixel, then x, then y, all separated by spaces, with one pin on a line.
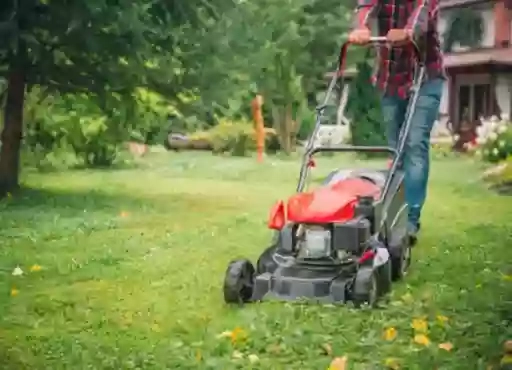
pixel 419 325
pixel 35 268
pixel 327 348
pixel 339 363
pixel 14 292
pixel 390 334
pixel 421 339
pixel 392 363
pixel 447 346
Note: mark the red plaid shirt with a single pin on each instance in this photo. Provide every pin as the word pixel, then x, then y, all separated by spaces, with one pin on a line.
pixel 396 66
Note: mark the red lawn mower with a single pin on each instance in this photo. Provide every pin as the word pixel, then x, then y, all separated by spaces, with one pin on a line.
pixel 344 241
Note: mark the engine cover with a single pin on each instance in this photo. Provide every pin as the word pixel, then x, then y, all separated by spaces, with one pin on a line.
pixel 351 236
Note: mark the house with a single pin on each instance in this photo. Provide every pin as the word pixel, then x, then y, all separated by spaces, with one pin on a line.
pixel 480 75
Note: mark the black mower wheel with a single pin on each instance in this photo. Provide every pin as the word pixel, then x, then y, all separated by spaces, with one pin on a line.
pixel 239 282
pixel 366 288
pixel 400 262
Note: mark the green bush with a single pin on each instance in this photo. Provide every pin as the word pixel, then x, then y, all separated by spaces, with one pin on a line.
pixel 235 137
pixel 367 126
pixel 497 146
pixel 69 129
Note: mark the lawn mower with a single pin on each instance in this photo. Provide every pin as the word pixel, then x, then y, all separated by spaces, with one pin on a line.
pixel 344 241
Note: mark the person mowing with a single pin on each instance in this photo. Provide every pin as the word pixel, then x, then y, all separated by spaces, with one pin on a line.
pixel 402 22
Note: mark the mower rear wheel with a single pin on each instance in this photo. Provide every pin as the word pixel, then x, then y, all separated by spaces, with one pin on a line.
pixel 239 281
pixel 366 289
pixel 400 262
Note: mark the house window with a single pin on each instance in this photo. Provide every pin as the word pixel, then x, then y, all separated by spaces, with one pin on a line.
pixel 475 101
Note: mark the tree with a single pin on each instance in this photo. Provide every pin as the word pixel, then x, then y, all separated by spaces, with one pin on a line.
pixel 92 47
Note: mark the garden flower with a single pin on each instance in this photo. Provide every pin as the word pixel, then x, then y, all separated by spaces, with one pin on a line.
pixel 253 358
pixel 495 151
pixel 14 292
pixel 17 271
pixel 493 136
pixel 501 143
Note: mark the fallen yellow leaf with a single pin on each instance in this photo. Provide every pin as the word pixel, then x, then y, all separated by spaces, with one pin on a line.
pixel 419 325
pixel 35 268
pixel 505 277
pixel 339 363
pixel 447 346
pixel 421 339
pixel 442 319
pixel 14 292
pixel 237 335
pixel 392 363
pixel 390 333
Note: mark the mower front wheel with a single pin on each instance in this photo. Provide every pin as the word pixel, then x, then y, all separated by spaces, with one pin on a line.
pixel 239 282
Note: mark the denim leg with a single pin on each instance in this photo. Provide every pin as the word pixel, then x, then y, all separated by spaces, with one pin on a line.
pixel 393 110
pixel 417 148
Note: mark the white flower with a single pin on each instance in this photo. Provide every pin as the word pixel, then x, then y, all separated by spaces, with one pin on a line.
pixel 495 151
pixel 253 358
pixel 501 143
pixel 456 137
pixel 502 129
pixel 480 140
pixel 493 136
pixel 17 271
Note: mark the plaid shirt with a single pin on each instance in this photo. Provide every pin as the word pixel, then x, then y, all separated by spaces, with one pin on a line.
pixel 396 66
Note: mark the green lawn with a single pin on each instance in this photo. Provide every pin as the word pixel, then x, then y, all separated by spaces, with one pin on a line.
pixel 133 263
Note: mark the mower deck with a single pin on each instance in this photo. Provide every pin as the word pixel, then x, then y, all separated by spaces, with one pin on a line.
pixel 293 283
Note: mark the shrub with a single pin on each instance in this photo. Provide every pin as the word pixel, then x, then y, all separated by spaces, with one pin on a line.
pixel 366 124
pixel 496 141
pixel 235 137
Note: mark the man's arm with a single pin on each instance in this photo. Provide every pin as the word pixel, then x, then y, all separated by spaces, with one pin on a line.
pixel 363 12
pixel 417 24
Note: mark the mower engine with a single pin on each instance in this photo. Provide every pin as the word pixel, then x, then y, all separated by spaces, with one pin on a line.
pixel 339 241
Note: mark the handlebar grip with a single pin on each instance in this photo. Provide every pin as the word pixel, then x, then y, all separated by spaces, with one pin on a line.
pixel 373 41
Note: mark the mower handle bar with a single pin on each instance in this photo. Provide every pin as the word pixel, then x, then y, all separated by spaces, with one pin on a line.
pixel 353 148
pixel 375 40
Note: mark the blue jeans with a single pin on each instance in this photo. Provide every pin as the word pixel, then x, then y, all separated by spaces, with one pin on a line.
pixel 416 161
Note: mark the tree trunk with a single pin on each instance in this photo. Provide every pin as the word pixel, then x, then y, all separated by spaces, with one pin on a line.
pixel 13 123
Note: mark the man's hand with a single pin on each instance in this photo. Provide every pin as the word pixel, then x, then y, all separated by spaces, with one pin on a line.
pixel 399 37
pixel 360 36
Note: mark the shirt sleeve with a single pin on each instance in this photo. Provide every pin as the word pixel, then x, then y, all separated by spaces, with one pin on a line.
pixel 364 11
pixel 421 16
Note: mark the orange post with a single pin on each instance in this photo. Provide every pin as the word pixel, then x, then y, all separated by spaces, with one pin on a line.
pixel 259 127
